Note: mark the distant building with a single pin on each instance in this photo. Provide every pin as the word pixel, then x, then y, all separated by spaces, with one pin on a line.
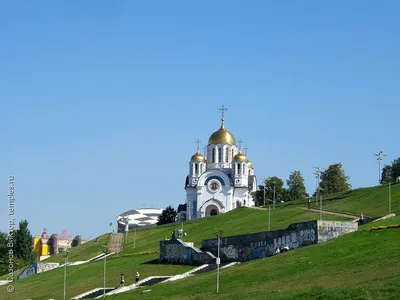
pixel 45 245
pixel 142 217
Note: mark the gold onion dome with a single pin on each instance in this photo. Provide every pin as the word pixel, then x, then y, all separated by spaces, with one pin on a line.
pixel 197 157
pixel 249 164
pixel 222 136
pixel 240 158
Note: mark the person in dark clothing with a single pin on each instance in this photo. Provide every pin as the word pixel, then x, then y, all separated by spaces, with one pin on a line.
pixel 122 280
pixel 137 277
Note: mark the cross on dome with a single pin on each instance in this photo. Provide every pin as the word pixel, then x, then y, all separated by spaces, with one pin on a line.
pixel 245 150
pixel 240 142
pixel 223 110
pixel 198 145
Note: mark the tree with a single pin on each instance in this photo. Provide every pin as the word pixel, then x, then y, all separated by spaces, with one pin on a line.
pixel 395 169
pixel 258 196
pixel 23 246
pixel 386 174
pixel 3 253
pixel 296 187
pixel 334 180
pixel 168 215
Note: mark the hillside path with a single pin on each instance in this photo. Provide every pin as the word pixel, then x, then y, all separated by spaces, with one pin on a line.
pixel 333 213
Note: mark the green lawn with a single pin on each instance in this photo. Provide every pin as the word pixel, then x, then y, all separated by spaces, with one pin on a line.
pixel 372 201
pixel 334 269
pixel 86 277
pixel 360 265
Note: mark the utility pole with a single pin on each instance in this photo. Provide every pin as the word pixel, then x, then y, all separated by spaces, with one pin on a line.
pixel 105 267
pixel 65 271
pixel 220 231
pixel 265 187
pixel 379 159
pixel 134 239
pixel 318 173
pixel 390 195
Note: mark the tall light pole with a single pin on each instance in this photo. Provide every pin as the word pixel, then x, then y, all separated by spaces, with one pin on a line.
pixel 105 267
pixel 220 231
pixel 65 271
pixel 318 174
pixel 265 187
pixel 134 239
pixel 379 159
pixel 390 194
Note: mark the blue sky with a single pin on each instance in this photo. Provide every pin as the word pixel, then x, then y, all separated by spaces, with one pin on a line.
pixel 102 101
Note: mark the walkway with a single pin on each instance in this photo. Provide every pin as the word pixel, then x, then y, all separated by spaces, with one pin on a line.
pixel 327 212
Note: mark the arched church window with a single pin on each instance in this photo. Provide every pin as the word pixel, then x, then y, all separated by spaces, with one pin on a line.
pixel 196 169
pixel 239 170
pixel 213 155
pixel 233 154
pixel 220 155
pixel 226 154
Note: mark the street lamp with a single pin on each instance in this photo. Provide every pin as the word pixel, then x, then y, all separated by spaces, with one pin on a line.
pixel 390 194
pixel 126 220
pixel 317 193
pixel 265 187
pixel 65 270
pixel 219 234
pixel 105 251
pixel 379 159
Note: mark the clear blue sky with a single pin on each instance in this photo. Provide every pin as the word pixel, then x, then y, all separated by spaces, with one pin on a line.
pixel 102 101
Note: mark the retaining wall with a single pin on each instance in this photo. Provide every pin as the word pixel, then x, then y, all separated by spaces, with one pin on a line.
pixel 178 252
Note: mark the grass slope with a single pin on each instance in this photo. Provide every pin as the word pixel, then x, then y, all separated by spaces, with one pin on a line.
pixel 361 265
pixel 372 201
pixel 49 285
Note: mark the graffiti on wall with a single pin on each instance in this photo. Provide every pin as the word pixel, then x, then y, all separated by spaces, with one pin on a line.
pixel 28 271
pixel 43 267
pixel 332 229
pixel 263 244
pixel 175 253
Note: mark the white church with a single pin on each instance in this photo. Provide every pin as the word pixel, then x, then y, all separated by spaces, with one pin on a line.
pixel 220 180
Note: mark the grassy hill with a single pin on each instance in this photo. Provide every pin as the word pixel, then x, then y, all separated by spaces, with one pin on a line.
pixel 361 265
pixel 264 274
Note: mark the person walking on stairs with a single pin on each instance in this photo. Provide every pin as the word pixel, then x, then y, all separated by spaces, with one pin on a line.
pixel 122 280
pixel 137 277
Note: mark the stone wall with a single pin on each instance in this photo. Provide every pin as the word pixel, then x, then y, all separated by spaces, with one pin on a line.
pixel 176 251
pixel 262 244
pixel 331 229
pixel 37 268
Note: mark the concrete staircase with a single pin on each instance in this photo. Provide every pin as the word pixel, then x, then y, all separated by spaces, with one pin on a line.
pixel 116 242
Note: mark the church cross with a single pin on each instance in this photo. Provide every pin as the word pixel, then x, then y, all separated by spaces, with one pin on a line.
pixel 245 150
pixel 198 144
pixel 204 149
pixel 223 110
pixel 240 144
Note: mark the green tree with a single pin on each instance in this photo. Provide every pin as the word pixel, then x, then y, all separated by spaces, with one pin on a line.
pixel 395 169
pixel 271 183
pixel 168 215
pixel 334 180
pixel 386 174
pixel 296 187
pixel 23 246
pixel 3 253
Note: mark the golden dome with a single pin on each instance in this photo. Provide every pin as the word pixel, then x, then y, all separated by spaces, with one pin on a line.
pixel 223 137
pixel 240 158
pixel 249 164
pixel 197 157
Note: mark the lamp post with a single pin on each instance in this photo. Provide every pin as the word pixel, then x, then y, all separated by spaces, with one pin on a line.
pixel 379 159
pixel 265 187
pixel 317 193
pixel 220 231
pixel 105 267
pixel 390 194
pixel 65 271
pixel 134 239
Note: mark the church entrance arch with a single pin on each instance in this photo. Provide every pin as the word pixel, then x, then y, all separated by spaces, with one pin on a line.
pixel 212 210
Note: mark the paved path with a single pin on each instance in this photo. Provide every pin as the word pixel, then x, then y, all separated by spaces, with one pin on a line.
pixel 332 213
